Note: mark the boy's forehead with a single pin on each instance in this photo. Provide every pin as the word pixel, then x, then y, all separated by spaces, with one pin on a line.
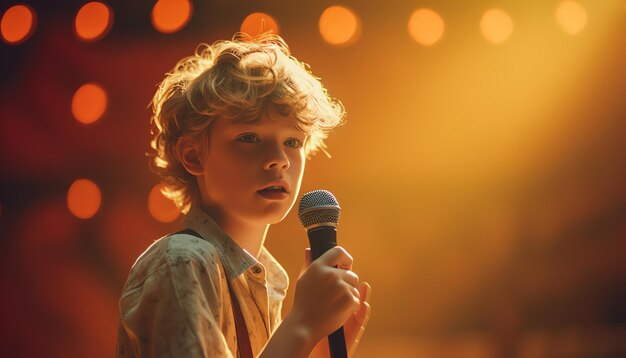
pixel 268 117
pixel 287 123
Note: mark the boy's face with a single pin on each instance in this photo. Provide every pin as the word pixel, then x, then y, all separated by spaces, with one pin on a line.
pixel 252 171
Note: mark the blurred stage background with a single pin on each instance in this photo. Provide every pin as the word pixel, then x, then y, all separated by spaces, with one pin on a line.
pixel 482 169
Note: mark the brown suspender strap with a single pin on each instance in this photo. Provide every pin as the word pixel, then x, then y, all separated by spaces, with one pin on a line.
pixel 243 340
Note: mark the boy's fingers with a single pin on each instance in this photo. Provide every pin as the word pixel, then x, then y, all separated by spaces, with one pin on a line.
pixel 365 290
pixel 337 257
pixel 353 279
pixel 363 314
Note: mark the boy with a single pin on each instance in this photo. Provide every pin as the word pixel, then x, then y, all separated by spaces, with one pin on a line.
pixel 232 127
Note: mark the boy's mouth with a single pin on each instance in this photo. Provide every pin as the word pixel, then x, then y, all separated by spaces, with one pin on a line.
pixel 275 191
pixel 274 188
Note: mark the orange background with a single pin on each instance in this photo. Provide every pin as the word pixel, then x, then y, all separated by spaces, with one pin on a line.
pixel 482 184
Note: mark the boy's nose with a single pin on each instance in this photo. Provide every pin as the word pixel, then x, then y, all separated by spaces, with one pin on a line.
pixel 277 158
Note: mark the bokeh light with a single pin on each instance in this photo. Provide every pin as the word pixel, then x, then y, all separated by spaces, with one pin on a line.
pixel 571 16
pixel 83 198
pixel 426 26
pixel 259 22
pixel 496 25
pixel 93 21
pixel 160 207
pixel 18 24
pixel 339 26
pixel 169 16
pixel 89 103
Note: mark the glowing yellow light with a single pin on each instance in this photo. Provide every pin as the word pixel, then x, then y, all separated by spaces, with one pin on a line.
pixel 93 21
pixel 496 25
pixel 426 26
pixel 339 25
pixel 258 23
pixel 161 208
pixel 169 16
pixel 83 198
pixel 17 24
pixel 571 17
pixel 89 103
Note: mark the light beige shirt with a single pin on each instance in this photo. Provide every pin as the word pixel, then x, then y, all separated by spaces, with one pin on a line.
pixel 176 301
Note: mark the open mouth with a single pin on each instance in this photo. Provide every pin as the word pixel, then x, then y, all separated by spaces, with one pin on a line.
pixel 274 189
pixel 274 192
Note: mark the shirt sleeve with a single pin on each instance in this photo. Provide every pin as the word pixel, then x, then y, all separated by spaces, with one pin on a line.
pixel 176 312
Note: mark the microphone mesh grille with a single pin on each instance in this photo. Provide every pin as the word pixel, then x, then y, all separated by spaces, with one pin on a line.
pixel 317 207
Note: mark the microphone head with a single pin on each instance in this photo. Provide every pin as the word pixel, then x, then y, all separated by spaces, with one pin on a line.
pixel 318 208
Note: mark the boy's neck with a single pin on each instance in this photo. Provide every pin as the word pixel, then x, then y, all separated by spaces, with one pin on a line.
pixel 247 235
pixel 251 238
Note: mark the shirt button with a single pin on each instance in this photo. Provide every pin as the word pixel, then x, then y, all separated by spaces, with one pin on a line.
pixel 256 270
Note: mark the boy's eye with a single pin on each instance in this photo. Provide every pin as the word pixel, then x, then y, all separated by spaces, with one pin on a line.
pixel 248 138
pixel 294 143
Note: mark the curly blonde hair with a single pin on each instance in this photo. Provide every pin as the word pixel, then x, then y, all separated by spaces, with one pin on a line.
pixel 236 80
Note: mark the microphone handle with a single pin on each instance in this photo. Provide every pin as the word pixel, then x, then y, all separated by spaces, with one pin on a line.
pixel 322 239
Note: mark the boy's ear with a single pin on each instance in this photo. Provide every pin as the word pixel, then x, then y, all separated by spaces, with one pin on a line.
pixel 190 155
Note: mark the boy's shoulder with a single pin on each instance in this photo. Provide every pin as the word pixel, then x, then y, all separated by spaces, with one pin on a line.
pixel 170 250
pixel 176 246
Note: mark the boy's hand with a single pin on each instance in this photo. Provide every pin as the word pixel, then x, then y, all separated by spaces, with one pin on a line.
pixel 354 326
pixel 326 294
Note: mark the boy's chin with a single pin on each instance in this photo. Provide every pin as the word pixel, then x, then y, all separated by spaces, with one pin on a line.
pixel 272 214
pixel 276 217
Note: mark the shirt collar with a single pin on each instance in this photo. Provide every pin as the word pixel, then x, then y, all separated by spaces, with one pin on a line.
pixel 279 278
pixel 236 260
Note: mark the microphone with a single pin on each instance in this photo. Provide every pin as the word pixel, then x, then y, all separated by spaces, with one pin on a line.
pixel 319 214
